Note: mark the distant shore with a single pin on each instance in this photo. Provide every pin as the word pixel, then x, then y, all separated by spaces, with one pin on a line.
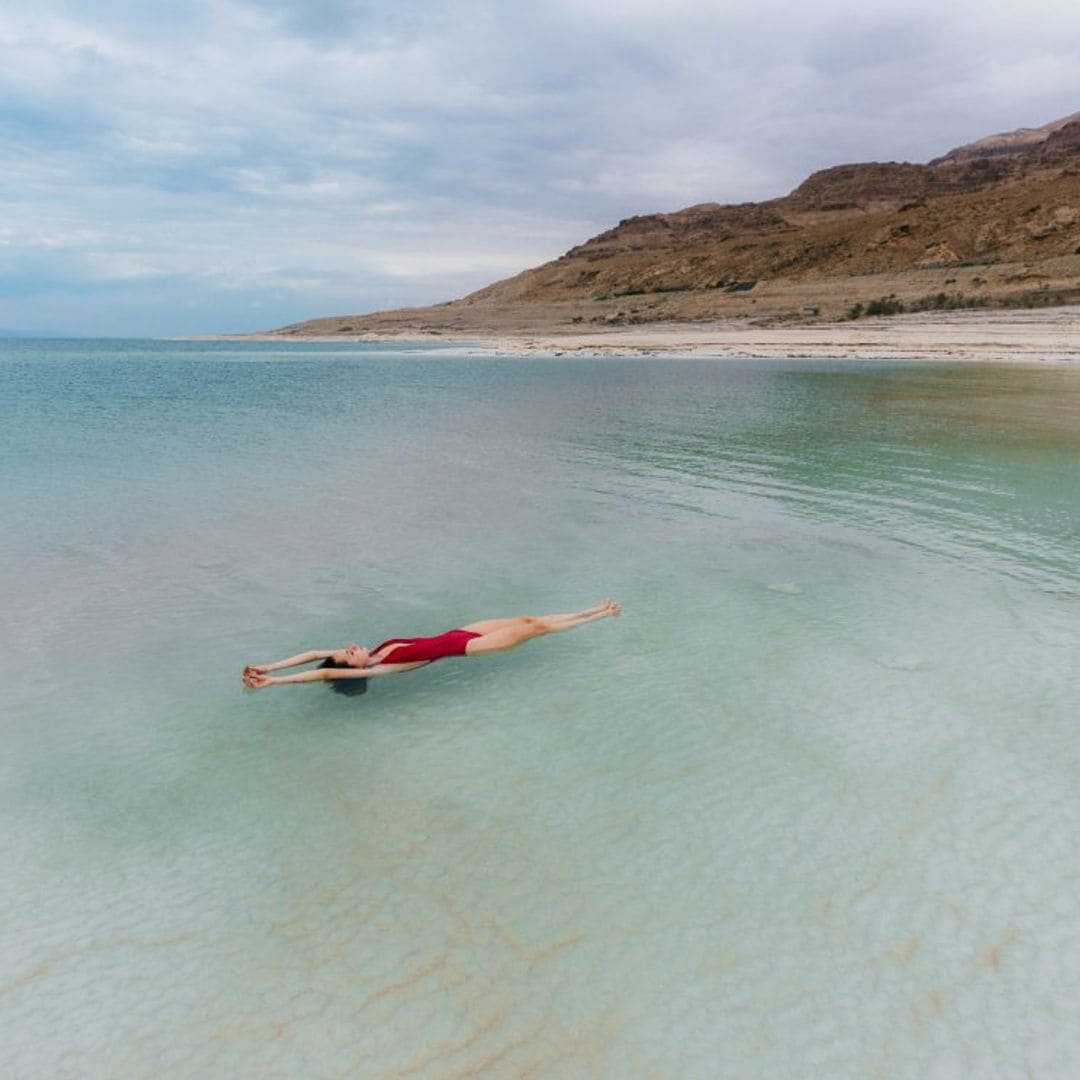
pixel 1017 336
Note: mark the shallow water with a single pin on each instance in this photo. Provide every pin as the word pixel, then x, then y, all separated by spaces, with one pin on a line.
pixel 809 808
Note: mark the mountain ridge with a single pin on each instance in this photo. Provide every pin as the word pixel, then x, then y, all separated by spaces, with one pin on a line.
pixel 977 227
pixel 1006 142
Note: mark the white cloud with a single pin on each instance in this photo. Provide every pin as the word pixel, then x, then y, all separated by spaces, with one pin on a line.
pixel 121 266
pixel 423 265
pixel 76 238
pixel 306 154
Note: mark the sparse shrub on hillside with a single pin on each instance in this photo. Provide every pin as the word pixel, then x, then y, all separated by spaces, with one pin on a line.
pixel 885 305
pixel 944 301
pixel 1044 297
pixel 957 301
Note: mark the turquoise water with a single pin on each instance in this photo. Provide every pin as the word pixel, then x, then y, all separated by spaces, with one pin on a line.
pixel 809 808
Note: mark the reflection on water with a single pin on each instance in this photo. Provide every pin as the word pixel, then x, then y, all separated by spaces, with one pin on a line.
pixel 808 809
pixel 975 464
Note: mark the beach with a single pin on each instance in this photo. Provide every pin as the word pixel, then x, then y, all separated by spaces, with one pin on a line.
pixel 1041 336
pixel 1006 337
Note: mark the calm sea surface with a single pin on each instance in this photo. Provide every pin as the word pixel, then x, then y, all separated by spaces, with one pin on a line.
pixel 811 808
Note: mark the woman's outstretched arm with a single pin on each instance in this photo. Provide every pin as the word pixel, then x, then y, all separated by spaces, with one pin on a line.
pixel 292 661
pixel 257 680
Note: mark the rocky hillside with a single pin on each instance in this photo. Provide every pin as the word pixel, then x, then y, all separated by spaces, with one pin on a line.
pixel 980 226
pixel 1005 144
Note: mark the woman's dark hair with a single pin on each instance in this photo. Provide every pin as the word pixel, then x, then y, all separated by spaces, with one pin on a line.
pixel 349 687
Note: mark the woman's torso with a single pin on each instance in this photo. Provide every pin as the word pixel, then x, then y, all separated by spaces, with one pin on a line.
pixel 423 649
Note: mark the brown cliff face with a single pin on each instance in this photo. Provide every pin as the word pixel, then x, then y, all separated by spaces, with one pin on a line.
pixel 982 228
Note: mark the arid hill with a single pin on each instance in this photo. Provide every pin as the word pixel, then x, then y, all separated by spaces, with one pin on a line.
pixel 995 223
pixel 1006 143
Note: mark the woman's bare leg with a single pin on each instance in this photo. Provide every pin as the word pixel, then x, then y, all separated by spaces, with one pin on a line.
pixel 556 624
pixel 509 633
pixel 488 626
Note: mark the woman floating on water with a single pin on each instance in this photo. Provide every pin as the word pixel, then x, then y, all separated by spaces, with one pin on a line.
pixel 404 654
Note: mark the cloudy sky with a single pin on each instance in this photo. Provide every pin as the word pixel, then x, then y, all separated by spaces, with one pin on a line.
pixel 191 166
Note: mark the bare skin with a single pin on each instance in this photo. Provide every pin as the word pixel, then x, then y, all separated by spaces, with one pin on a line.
pixel 496 635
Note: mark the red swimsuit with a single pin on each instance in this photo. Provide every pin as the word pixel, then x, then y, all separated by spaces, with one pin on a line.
pixel 411 650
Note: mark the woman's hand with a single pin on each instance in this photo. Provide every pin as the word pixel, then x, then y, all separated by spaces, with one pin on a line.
pixel 260 669
pixel 254 679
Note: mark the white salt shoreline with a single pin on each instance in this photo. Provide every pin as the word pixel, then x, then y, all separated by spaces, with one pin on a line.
pixel 1015 337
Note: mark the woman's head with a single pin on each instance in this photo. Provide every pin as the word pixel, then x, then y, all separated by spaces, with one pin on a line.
pixel 351 656
pixel 348 687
